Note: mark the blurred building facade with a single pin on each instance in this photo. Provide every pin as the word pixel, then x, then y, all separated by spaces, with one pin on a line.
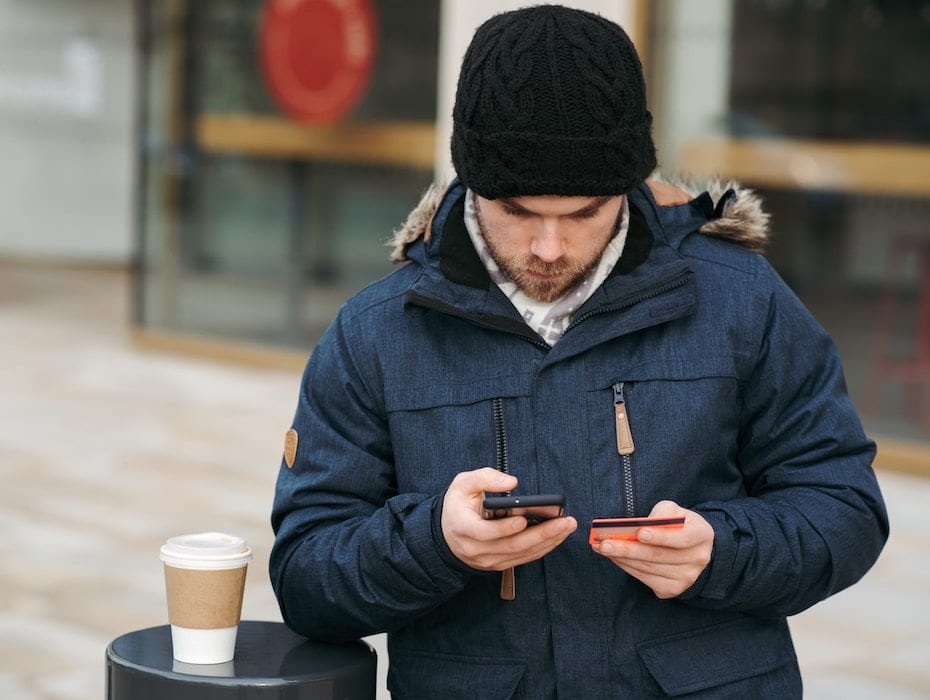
pixel 165 143
pixel 67 90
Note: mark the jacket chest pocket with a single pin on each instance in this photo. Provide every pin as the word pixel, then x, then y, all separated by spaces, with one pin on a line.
pixel 663 431
pixel 441 429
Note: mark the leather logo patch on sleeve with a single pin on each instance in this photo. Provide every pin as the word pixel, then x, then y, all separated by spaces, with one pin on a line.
pixel 290 447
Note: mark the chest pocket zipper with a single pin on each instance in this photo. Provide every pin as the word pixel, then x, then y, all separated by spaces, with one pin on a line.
pixel 502 462
pixel 625 447
pixel 501 452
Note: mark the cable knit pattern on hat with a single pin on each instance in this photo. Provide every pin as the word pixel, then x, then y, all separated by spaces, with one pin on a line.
pixel 551 100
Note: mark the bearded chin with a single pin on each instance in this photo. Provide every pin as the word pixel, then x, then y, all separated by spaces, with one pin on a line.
pixel 545 291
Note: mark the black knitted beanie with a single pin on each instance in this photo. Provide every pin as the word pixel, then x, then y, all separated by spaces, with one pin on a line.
pixel 551 100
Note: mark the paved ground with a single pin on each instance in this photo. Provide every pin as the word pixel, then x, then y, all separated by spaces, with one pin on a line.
pixel 105 450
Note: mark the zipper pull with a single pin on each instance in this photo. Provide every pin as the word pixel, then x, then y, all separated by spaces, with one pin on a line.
pixel 622 420
pixel 508 584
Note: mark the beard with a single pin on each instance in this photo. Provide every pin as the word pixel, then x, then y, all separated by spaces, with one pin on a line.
pixel 559 277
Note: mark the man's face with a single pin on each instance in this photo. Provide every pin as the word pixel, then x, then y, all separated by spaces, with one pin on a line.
pixel 546 244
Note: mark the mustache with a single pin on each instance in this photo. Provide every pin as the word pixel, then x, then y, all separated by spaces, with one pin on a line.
pixel 533 264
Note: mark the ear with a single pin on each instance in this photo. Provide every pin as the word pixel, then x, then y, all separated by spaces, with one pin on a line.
pixel 667 195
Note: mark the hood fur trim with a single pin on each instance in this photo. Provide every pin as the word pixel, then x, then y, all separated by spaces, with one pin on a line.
pixel 741 219
pixel 417 223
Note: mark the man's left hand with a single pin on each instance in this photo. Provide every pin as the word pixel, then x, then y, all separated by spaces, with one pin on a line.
pixel 667 560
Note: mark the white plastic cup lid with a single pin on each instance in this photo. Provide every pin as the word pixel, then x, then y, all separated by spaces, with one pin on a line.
pixel 206 550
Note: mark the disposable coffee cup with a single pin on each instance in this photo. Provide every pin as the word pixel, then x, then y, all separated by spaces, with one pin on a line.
pixel 204 583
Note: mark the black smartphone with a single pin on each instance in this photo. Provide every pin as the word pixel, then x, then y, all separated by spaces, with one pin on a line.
pixel 535 508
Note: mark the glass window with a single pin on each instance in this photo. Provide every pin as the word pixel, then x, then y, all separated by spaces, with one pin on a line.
pixel 825 69
pixel 824 107
pixel 255 227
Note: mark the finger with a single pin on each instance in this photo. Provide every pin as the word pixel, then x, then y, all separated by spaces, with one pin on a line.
pixel 662 583
pixel 668 537
pixel 529 546
pixel 549 533
pixel 633 551
pixel 670 572
pixel 665 581
pixel 500 528
pixel 546 535
pixel 556 528
pixel 663 578
pixel 498 544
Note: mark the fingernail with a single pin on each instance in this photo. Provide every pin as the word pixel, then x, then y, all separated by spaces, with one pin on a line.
pixel 645 535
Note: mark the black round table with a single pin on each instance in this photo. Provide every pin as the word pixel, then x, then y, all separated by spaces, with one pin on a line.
pixel 271 662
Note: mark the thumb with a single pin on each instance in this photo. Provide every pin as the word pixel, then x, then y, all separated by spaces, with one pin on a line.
pixel 666 509
pixel 484 479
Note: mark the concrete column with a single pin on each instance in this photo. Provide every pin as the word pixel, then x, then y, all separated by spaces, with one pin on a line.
pixel 689 73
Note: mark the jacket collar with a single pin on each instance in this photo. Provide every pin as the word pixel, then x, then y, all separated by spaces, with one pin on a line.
pixel 738 215
pixel 649 276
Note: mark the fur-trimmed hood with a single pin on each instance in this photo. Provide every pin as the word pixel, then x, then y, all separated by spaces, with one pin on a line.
pixel 739 216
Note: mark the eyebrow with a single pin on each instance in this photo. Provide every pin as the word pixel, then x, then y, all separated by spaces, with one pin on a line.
pixel 593 206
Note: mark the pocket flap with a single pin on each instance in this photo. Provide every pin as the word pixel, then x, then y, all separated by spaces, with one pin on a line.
pixel 413 397
pixel 665 369
pixel 416 675
pixel 718 655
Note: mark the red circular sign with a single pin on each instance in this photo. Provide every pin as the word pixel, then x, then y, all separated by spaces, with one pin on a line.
pixel 317 55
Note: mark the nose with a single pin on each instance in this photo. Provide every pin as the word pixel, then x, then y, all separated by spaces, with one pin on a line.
pixel 547 244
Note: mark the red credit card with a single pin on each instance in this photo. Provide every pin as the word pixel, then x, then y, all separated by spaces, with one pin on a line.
pixel 626 528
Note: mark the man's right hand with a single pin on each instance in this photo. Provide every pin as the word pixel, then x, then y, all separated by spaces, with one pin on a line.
pixel 494 545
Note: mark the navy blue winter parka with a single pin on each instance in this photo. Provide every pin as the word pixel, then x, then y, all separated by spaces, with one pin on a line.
pixel 738 410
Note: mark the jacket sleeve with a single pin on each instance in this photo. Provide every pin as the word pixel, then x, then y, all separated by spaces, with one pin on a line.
pixel 813 521
pixel 351 556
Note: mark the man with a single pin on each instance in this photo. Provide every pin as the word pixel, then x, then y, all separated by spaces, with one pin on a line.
pixel 562 326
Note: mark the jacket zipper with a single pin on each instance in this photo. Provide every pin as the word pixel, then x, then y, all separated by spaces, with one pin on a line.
pixel 501 452
pixel 496 323
pixel 678 281
pixel 502 462
pixel 625 447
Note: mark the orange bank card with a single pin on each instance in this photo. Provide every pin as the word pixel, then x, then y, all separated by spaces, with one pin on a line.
pixel 626 528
